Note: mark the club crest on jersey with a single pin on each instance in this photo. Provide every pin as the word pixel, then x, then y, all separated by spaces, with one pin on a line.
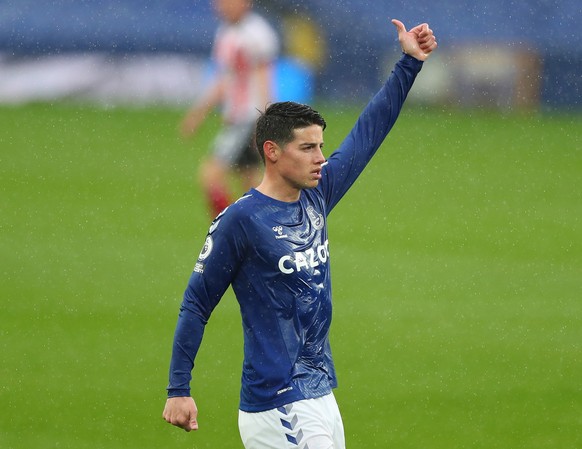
pixel 315 217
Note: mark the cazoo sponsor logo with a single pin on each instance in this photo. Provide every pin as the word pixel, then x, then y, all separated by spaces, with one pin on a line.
pixel 311 258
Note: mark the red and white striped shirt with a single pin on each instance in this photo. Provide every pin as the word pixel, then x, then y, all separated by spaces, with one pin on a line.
pixel 239 50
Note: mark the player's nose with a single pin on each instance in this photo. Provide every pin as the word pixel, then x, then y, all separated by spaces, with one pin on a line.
pixel 319 157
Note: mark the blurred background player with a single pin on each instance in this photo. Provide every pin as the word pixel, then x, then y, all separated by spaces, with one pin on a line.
pixel 244 49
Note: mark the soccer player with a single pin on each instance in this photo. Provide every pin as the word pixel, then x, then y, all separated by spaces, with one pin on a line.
pixel 245 48
pixel 272 247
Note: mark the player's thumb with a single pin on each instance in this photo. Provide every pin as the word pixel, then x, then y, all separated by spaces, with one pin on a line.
pixel 193 423
pixel 400 28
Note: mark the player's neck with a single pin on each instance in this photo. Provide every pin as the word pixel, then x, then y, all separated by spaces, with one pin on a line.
pixel 278 192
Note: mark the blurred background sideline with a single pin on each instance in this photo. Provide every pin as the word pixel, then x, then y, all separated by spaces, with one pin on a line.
pixel 494 54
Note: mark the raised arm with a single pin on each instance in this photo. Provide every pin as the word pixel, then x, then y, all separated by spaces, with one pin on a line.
pixel 377 119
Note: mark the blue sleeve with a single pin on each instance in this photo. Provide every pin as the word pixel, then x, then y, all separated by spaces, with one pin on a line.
pixel 215 268
pixel 375 122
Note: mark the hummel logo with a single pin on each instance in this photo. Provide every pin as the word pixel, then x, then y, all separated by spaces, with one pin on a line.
pixel 279 231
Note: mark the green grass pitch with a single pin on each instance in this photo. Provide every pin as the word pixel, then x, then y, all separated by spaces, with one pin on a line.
pixel 457 266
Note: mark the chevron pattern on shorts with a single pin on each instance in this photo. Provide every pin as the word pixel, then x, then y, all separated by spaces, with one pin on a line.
pixel 289 422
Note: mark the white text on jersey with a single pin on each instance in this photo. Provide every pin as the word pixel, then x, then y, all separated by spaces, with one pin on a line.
pixel 306 259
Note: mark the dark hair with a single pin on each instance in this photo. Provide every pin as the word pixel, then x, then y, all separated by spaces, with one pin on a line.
pixel 280 120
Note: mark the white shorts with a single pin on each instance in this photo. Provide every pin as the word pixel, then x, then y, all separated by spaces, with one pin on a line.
pixel 234 145
pixel 306 424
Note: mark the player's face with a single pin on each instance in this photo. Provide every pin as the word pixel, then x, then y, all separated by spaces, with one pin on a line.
pixel 300 160
pixel 231 10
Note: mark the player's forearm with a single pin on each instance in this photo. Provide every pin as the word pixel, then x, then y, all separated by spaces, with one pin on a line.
pixel 187 340
pixel 381 113
pixel 265 75
pixel 372 127
pixel 379 116
pixel 208 101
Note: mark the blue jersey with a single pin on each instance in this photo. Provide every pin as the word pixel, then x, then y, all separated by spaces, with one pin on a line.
pixel 276 256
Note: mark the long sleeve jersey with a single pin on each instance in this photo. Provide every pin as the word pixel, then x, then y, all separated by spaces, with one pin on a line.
pixel 276 257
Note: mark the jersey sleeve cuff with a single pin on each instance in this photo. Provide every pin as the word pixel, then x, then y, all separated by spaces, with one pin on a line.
pixel 172 393
pixel 411 60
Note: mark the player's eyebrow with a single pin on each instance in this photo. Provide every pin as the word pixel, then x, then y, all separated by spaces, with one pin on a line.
pixel 311 144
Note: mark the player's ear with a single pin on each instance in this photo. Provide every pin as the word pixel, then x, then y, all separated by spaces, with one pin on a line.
pixel 271 150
